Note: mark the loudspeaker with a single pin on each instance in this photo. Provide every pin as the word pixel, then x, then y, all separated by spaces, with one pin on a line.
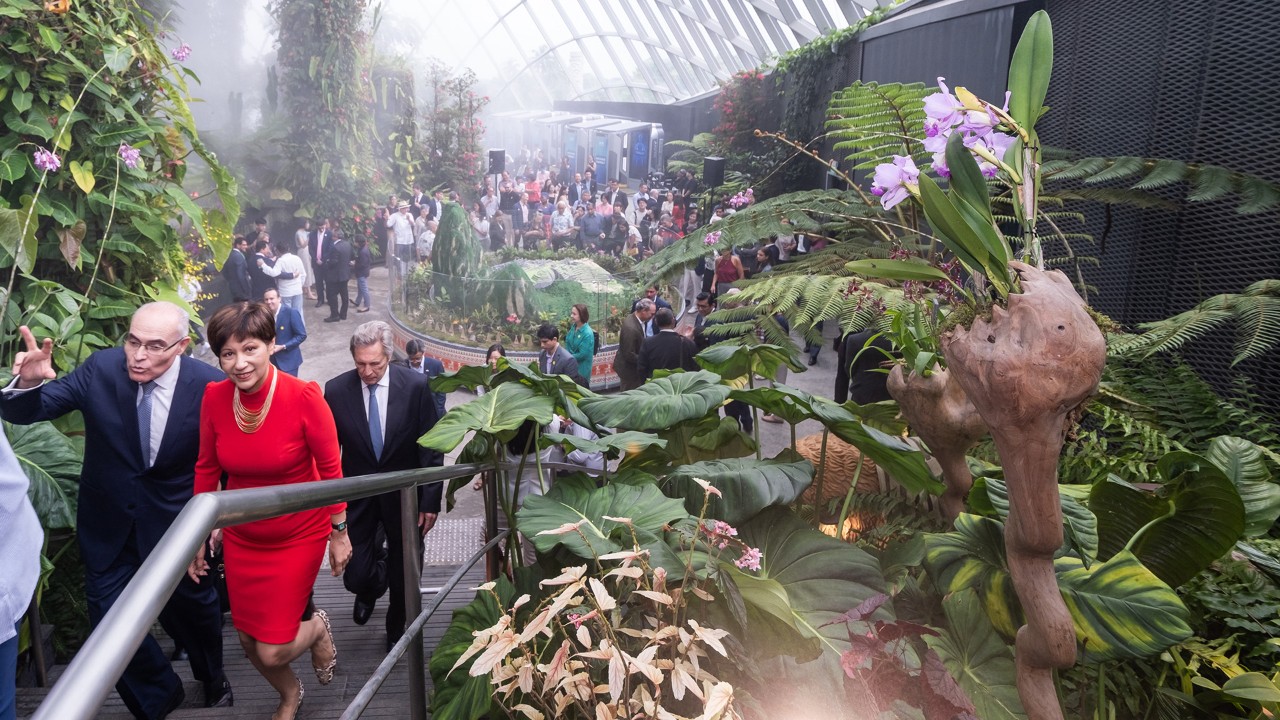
pixel 497 162
pixel 713 171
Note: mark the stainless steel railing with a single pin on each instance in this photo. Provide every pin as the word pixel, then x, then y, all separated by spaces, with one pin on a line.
pixel 87 681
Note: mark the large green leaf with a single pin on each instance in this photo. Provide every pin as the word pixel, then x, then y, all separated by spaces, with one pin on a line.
pixel 972 557
pixel 1246 466
pixel 792 405
pixel 499 411
pixel 896 270
pixel 1120 608
pixel 806 580
pixel 978 658
pixel 734 361
pixel 458 695
pixel 575 499
pixel 1080 526
pixel 1191 520
pixel 467 376
pixel 627 443
pixel 659 403
pixel 1029 70
pixel 52 463
pixel 901 459
pixel 746 486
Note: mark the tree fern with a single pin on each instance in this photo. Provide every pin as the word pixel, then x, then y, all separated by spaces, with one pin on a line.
pixel 1255 314
pixel 872 122
pixel 1206 182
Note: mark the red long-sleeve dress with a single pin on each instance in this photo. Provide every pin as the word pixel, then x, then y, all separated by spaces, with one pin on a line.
pixel 271 564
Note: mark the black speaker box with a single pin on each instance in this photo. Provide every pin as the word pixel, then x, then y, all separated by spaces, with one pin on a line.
pixel 713 171
pixel 497 162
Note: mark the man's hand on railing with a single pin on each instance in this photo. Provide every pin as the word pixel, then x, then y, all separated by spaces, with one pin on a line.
pixel 200 566
pixel 339 553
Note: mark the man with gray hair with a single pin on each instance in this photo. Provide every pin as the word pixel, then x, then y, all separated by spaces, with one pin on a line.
pixel 381 409
pixel 141 406
pixel 627 361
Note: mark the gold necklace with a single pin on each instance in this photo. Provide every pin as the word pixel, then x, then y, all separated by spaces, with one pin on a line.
pixel 250 420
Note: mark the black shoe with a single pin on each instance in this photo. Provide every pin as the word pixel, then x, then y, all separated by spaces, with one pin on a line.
pixel 179 654
pixel 333 319
pixel 217 693
pixel 813 361
pixel 320 304
pixel 363 609
pixel 175 701
pixel 342 317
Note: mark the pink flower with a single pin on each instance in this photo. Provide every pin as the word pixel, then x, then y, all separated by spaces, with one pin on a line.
pixel 750 559
pixel 712 238
pixel 893 181
pixel 181 53
pixel 129 155
pixel 46 161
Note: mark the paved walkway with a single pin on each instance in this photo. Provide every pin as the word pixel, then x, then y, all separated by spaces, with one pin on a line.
pixel 457 535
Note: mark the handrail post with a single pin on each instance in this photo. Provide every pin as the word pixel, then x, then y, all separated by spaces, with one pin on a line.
pixel 493 561
pixel 412 569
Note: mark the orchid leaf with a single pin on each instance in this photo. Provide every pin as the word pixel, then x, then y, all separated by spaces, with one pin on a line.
pixel 951 228
pixel 896 270
pixel 1029 70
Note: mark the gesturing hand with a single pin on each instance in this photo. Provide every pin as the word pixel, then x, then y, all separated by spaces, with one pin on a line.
pixel 35 365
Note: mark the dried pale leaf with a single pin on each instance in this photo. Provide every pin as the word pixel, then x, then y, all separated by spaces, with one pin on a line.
pixel 709 636
pixel 660 598
pixel 519 601
pixel 482 639
pixel 529 712
pixel 604 712
pixel 617 676
pixel 71 238
pixel 486 586
pixel 625 571
pixel 619 520
pixel 718 701
pixel 703 594
pixel 707 487
pixel 625 555
pixel 541 623
pixel 584 636
pixel 525 677
pixel 566 576
pixel 562 703
pixel 555 670
pixel 502 645
pixel 603 599
pixel 564 529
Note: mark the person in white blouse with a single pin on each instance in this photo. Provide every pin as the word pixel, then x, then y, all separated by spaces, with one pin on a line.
pixel 290 288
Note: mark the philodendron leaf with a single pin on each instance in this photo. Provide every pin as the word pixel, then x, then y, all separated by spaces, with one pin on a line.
pixel 1188 522
pixel 1246 466
pixel 500 411
pixel 659 403
pixel 467 376
pixel 806 580
pixel 792 405
pixel 1029 70
pixel 626 443
pixel 898 457
pixel 731 361
pixel 746 486
pixel 972 557
pixel 458 695
pixel 1121 609
pixel 1080 526
pixel 578 499
pixel 896 270
pixel 52 463
pixel 978 658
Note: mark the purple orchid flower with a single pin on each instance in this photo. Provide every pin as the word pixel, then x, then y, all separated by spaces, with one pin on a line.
pixel 130 155
pixel 46 161
pixel 893 180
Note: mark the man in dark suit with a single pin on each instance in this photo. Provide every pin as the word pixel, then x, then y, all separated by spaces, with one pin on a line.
pixel 706 304
pixel 260 281
pixel 337 268
pixel 554 359
pixel 381 409
pixel 321 243
pixel 141 406
pixel 859 367
pixel 417 361
pixel 630 338
pixel 236 271
pixel 615 196
pixel 286 354
pixel 667 349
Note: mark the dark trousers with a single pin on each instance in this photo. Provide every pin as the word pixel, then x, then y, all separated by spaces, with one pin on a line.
pixel 337 290
pixel 372 569
pixel 8 669
pixel 741 412
pixel 192 617
pixel 320 286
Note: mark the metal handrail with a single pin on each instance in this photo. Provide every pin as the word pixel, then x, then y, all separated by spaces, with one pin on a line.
pixel 84 686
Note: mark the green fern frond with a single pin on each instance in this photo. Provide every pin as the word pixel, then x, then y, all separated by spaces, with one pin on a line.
pixel 871 122
pixel 1255 313
pixel 1121 167
pixel 1119 196
pixel 1208 182
pixel 1258 195
pixel 1211 183
pixel 1164 173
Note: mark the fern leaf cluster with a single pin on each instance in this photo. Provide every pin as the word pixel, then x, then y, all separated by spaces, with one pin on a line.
pixel 1254 312
pixel 871 122
pixel 1146 175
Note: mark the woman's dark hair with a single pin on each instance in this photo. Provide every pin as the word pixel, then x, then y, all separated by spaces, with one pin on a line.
pixel 521 442
pixel 496 347
pixel 242 320
pixel 583 314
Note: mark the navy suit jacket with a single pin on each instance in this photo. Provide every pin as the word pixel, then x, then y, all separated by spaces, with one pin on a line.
pixel 433 369
pixel 291 333
pixel 119 494
pixel 411 412
pixel 236 272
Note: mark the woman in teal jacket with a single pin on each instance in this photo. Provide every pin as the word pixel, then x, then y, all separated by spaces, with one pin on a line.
pixel 580 341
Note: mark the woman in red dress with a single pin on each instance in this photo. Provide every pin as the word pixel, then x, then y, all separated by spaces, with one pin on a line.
pixel 262 428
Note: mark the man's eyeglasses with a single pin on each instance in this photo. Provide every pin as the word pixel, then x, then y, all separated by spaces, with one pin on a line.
pixel 155 347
